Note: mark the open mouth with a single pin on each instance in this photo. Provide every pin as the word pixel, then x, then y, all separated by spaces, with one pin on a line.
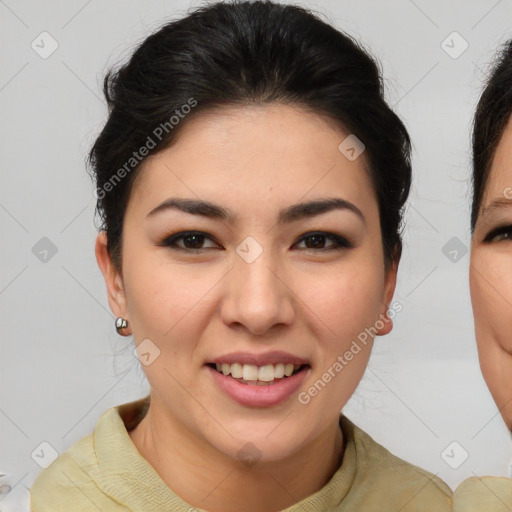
pixel 258 375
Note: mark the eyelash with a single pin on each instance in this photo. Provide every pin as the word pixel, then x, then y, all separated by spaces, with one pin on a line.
pixel 503 230
pixel 340 243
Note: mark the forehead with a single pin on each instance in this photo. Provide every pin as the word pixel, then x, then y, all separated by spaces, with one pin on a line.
pixel 253 155
pixel 500 173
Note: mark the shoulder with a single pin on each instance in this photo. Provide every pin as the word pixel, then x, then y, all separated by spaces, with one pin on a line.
pixel 89 474
pixel 76 480
pixel 408 486
pixel 61 485
pixel 483 493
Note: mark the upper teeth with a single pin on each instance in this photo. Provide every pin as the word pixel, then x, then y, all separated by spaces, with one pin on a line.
pixel 266 373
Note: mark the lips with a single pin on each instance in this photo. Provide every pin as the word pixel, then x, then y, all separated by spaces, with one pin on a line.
pixel 259 380
pixel 266 358
pixel 257 393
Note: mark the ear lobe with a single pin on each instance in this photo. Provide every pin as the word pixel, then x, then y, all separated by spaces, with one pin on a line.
pixel 385 324
pixel 113 280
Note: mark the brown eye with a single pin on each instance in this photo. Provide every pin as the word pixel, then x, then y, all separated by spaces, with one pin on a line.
pixel 192 241
pixel 317 241
pixel 499 234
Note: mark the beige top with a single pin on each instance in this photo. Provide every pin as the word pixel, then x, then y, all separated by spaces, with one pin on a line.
pixel 105 471
pixel 483 494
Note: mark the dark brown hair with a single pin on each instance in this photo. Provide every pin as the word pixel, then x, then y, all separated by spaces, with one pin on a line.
pixel 492 114
pixel 239 53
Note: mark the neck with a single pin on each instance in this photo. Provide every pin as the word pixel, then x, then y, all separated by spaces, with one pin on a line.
pixel 206 478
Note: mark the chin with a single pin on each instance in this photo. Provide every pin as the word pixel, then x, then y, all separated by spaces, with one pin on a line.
pixel 259 444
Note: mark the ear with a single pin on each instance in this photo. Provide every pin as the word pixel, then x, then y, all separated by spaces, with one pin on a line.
pixel 113 279
pixel 389 291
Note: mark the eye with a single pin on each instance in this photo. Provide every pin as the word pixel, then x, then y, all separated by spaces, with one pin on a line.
pixel 318 238
pixel 193 241
pixel 499 234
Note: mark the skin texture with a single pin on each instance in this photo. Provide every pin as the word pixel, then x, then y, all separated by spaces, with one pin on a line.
pixel 294 297
pixel 491 279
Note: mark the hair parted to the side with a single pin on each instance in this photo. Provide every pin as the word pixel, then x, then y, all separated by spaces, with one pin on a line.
pixel 492 114
pixel 244 53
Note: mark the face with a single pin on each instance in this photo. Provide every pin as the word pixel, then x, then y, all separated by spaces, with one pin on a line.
pixel 491 278
pixel 254 280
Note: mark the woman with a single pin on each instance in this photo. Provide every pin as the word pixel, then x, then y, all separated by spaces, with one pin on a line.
pixel 491 219
pixel 491 251
pixel 250 180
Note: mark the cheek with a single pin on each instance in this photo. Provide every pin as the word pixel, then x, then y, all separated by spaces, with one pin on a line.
pixel 344 306
pixel 491 298
pixel 165 301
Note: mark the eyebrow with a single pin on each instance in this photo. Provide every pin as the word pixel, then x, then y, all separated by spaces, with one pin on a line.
pixel 496 205
pixel 290 214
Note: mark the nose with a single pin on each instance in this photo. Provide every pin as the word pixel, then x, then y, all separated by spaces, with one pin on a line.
pixel 258 296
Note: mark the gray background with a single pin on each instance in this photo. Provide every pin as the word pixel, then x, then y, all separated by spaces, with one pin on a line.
pixel 62 364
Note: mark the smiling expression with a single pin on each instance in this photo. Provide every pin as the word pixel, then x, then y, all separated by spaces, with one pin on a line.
pixel 252 241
